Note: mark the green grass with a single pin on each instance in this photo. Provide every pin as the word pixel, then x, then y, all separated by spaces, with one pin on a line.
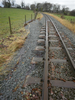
pixel 67 17
pixel 17 20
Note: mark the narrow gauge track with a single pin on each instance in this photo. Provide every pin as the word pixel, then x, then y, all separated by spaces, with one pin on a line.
pixel 56 75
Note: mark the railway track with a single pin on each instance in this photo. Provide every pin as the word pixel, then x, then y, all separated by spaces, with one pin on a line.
pixel 54 77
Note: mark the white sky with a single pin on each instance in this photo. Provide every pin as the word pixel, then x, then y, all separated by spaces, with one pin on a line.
pixel 67 3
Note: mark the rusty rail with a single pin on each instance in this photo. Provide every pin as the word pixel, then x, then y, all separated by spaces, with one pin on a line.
pixel 45 88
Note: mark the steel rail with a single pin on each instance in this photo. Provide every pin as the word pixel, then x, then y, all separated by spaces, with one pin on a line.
pixel 45 87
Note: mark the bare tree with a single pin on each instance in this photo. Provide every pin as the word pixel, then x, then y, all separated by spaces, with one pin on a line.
pixel 63 9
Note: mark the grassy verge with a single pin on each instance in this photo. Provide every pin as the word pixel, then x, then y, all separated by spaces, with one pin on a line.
pixel 65 22
pixel 11 44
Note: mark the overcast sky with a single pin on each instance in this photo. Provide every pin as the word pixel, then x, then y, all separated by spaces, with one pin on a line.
pixel 67 3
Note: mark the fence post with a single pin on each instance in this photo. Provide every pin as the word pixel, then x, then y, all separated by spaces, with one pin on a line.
pixel 35 15
pixel 31 17
pixel 25 19
pixel 10 25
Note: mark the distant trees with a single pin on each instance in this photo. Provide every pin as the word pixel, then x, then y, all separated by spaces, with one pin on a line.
pixel 27 7
pixel 45 7
pixel 18 6
pixel 65 10
pixel 6 4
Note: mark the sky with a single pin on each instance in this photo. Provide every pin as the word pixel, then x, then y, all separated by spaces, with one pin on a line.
pixel 67 3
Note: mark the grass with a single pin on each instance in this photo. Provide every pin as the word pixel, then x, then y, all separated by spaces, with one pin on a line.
pixel 66 23
pixel 17 17
pixel 67 17
pixel 15 41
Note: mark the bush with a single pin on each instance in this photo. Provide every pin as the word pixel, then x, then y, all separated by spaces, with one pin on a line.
pixel 72 13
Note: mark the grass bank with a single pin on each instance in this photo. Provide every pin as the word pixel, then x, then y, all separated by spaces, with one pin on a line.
pixel 66 23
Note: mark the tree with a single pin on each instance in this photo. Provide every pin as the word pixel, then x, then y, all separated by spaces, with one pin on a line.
pixel 9 4
pixel 45 6
pixel 54 8
pixel 57 8
pixel 22 4
pixel 50 7
pixel 32 6
pixel 6 4
pixel 67 10
pixel 63 9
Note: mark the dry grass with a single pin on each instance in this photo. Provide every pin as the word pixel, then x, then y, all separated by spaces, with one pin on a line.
pixel 66 23
pixel 12 43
